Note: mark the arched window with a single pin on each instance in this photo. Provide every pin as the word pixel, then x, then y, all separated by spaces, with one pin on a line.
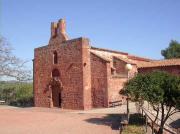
pixel 55 73
pixel 55 57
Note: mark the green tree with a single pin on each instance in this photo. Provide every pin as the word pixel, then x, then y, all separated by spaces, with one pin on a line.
pixel 17 93
pixel 24 94
pixel 160 89
pixel 173 51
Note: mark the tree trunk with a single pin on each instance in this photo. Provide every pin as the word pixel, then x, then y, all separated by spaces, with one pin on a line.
pixel 128 109
pixel 160 131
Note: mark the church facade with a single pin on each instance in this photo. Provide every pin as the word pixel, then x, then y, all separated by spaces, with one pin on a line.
pixel 72 74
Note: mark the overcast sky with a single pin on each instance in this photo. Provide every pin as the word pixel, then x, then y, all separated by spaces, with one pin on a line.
pixel 139 27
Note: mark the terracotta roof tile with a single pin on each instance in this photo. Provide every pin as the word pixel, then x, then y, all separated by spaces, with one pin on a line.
pixel 129 56
pixel 126 60
pixel 159 63
pixel 112 51
pixel 101 57
pixel 133 57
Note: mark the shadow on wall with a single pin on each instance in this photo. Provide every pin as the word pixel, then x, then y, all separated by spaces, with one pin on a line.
pixel 113 120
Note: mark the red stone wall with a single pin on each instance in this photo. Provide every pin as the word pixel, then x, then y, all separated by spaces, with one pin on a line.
pixel 86 69
pixel 171 69
pixel 115 86
pixel 119 66
pixel 72 55
pixel 98 81
pixel 116 83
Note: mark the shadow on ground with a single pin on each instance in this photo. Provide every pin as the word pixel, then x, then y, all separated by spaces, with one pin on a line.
pixel 21 106
pixel 136 119
pixel 113 120
pixel 175 124
pixel 22 103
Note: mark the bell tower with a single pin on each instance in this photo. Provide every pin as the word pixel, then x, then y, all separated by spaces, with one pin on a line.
pixel 58 31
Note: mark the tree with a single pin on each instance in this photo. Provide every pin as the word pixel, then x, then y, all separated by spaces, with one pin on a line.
pixel 173 51
pixel 160 89
pixel 10 65
pixel 17 93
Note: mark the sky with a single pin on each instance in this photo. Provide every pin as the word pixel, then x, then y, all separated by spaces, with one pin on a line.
pixel 139 27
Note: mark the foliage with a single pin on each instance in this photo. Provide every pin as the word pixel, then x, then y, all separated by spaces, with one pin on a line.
pixel 160 89
pixel 18 94
pixel 173 51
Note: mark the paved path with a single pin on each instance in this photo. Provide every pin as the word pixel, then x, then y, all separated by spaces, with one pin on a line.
pixel 55 121
pixel 171 124
pixel 174 117
pixel 114 110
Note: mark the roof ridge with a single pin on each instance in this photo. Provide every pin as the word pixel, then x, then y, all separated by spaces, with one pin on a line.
pixel 168 59
pixel 159 63
pixel 108 50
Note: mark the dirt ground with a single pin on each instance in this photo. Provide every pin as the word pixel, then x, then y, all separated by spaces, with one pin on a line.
pixel 35 120
pixel 55 121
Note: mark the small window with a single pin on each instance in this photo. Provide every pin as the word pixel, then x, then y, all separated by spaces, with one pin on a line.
pixel 55 57
pixel 114 62
pixel 113 71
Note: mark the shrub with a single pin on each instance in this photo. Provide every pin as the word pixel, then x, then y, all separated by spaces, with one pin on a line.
pixel 17 94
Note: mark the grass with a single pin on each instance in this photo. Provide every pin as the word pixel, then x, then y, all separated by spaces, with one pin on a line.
pixel 135 126
pixel 133 129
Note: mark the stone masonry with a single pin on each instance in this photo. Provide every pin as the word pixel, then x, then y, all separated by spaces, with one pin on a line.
pixel 72 74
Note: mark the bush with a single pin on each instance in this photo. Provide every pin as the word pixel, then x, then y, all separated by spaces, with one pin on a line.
pixel 160 89
pixel 17 94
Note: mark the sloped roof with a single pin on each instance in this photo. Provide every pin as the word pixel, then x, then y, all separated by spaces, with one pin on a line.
pixel 109 59
pixel 126 60
pixel 159 63
pixel 133 57
pixel 112 51
pixel 101 57
pixel 141 62
pixel 124 54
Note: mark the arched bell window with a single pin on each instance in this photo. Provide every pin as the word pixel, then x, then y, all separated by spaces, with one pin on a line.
pixel 55 58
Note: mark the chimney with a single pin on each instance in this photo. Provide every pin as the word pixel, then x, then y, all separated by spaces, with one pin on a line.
pixel 58 30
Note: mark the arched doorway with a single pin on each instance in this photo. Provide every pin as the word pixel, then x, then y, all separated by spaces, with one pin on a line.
pixel 56 88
